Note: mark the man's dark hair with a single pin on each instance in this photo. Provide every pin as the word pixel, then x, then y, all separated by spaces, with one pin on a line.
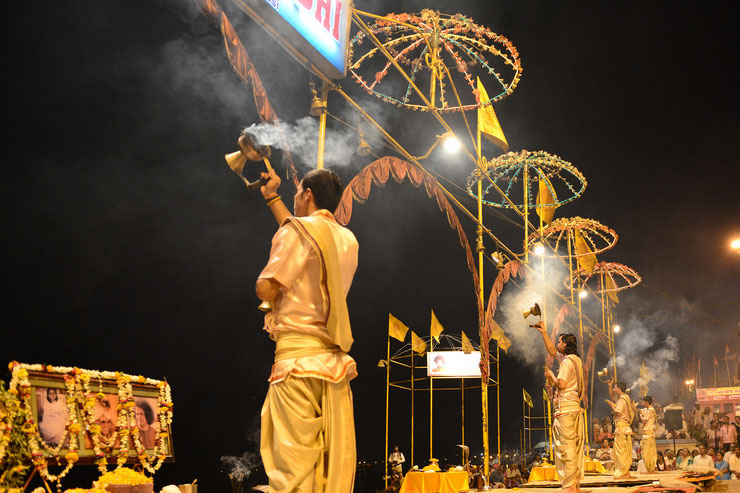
pixel 648 399
pixel 148 412
pixel 326 187
pixel 571 344
pixel 621 385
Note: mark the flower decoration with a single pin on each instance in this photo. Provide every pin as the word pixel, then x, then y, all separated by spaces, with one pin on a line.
pixel 442 45
pixel 610 277
pixel 563 179
pixel 562 231
pixel 80 397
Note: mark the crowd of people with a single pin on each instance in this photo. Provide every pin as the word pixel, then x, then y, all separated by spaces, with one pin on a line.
pixel 717 440
pixel 716 435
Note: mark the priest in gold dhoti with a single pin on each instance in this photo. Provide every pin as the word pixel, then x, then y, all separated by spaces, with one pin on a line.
pixel 647 444
pixel 308 437
pixel 568 428
pixel 623 416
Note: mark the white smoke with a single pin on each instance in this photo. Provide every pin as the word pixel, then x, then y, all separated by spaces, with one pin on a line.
pixel 526 342
pixel 241 467
pixel 642 345
pixel 302 137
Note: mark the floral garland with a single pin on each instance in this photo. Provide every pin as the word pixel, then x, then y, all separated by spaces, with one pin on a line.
pixel 6 424
pixel 79 395
pixel 508 169
pixel 416 39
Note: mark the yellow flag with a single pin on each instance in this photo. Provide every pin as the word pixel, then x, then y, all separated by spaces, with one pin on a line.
pixel 527 398
pixel 418 344
pixel 396 328
pixel 544 395
pixel 546 195
pixel 612 288
pixel 467 347
pixel 586 259
pixel 497 334
pixel 436 328
pixel 504 343
pixel 488 124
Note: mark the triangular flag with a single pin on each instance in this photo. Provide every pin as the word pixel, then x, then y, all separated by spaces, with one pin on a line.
pixel 546 196
pixel 611 288
pixel 716 363
pixel 435 328
pixel 527 398
pixel 488 124
pixel 496 331
pixel 418 344
pixel 396 328
pixel 586 259
pixel 544 395
pixel 698 365
pixel 467 347
pixel 727 349
pixel 497 334
pixel 504 343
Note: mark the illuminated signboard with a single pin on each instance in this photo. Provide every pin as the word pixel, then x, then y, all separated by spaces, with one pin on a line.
pixel 718 394
pixel 316 29
pixel 453 364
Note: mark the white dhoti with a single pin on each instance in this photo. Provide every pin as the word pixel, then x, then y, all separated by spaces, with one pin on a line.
pixel 622 449
pixel 649 452
pixel 567 432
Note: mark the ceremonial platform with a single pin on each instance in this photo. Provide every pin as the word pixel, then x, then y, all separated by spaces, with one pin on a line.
pixel 658 481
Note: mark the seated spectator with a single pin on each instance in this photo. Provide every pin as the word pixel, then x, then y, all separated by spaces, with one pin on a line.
pixel 496 478
pixel 660 462
pixel 670 460
pixel 721 466
pixel 604 452
pixel 683 461
pixel 733 462
pixel 730 452
pixel 702 459
pixel 513 477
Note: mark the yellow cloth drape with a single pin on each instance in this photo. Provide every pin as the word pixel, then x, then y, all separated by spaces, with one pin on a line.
pixel 567 432
pixel 308 436
pixel 543 473
pixel 317 232
pixel 435 482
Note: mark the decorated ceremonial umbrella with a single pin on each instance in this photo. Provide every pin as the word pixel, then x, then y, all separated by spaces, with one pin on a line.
pixel 434 49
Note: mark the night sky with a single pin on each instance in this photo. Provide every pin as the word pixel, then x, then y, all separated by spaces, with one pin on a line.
pixel 131 246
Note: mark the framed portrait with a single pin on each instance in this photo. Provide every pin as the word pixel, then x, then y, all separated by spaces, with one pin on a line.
pixel 51 412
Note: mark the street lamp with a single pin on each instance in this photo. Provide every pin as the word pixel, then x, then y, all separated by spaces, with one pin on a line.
pixel 616 329
pixel 735 244
pixel 450 142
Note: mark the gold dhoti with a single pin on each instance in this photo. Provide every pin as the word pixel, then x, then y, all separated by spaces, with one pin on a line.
pixel 622 449
pixel 649 452
pixel 308 431
pixel 567 432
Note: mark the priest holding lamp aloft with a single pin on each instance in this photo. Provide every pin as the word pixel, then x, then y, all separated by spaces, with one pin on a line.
pixel 568 423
